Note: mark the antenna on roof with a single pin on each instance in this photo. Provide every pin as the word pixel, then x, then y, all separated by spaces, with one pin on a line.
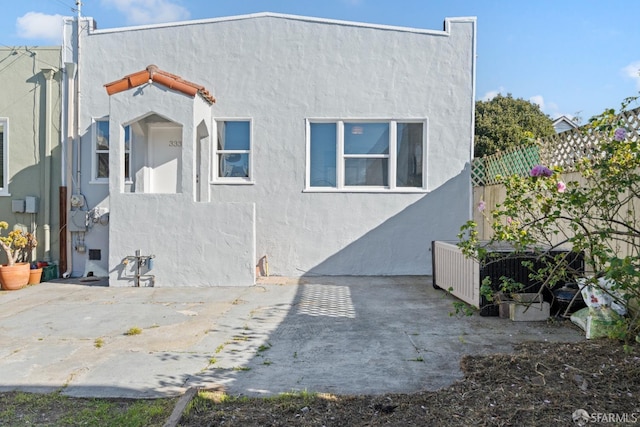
pixel 79 8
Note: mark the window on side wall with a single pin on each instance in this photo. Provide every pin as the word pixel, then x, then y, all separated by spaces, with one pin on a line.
pixel 232 157
pixel 371 155
pixel 4 154
pixel 101 151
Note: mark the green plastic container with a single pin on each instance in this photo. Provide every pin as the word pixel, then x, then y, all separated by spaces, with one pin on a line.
pixel 49 272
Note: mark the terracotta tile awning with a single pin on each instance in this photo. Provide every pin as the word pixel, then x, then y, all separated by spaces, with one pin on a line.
pixel 153 73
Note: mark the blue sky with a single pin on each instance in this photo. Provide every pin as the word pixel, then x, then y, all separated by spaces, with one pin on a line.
pixel 569 56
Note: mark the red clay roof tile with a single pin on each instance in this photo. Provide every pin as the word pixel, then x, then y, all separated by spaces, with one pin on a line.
pixel 153 73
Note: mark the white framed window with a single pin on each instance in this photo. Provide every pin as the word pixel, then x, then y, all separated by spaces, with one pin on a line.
pixel 101 147
pixel 4 157
pixel 366 155
pixel 232 162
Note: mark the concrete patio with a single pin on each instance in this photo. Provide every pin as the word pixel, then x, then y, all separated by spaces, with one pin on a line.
pixel 343 335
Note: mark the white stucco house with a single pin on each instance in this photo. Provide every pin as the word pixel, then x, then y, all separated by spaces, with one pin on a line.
pixel 321 147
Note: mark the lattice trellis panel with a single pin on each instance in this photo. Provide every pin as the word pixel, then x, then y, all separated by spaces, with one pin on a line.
pixel 518 160
pixel 566 148
pixel 563 149
pixel 477 171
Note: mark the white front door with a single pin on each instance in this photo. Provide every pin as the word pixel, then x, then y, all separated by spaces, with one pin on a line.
pixel 165 158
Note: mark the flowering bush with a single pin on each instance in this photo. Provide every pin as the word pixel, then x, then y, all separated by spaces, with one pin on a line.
pixel 16 244
pixel 539 170
pixel 595 216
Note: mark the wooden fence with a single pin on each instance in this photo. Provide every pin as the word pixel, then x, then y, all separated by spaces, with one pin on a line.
pixel 563 149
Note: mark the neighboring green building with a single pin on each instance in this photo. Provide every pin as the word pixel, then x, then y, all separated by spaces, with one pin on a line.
pixel 30 145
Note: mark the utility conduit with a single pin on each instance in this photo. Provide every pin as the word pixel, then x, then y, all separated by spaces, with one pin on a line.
pixel 48 74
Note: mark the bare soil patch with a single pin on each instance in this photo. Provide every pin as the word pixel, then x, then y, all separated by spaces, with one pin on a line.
pixel 539 384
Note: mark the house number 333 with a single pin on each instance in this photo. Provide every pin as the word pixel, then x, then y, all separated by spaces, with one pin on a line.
pixel 175 143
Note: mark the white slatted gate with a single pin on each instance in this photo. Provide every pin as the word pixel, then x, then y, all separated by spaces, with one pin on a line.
pixel 455 273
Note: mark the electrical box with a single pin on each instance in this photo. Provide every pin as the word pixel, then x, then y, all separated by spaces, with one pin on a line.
pixel 17 205
pixel 31 204
pixel 77 221
pixel 77 201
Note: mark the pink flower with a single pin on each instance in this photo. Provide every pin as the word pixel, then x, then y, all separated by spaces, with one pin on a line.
pixel 509 220
pixel 482 206
pixel 539 170
pixel 562 187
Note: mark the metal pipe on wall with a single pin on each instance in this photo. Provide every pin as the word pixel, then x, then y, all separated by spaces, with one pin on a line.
pixel 70 69
pixel 48 74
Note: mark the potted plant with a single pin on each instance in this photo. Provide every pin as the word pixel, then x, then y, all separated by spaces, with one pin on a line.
pixel 24 255
pixel 16 244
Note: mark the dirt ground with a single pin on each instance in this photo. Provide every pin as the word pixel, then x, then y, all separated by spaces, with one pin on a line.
pixel 540 384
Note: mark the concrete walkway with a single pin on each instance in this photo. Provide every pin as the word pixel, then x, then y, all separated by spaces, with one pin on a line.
pixel 342 335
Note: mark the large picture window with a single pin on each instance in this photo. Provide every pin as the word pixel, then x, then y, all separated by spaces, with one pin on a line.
pixel 101 151
pixel 4 157
pixel 233 153
pixel 352 155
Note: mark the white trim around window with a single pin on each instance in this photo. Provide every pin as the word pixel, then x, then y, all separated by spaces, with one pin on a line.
pixel 232 156
pixel 366 155
pixel 100 150
pixel 4 156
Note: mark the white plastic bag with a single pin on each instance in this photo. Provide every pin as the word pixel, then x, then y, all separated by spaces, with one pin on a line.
pixel 601 295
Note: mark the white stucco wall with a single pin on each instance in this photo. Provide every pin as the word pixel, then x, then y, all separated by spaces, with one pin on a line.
pixel 176 229
pixel 279 71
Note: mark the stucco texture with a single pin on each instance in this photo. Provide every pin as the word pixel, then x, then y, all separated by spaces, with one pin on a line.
pixel 279 71
pixel 32 117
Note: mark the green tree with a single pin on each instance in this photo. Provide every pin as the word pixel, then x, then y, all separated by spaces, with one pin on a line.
pixel 505 122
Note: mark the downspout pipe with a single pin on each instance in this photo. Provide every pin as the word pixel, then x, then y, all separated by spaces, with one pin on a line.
pixel 73 76
pixel 70 69
pixel 68 172
pixel 48 74
pixel 76 130
pixel 77 99
pixel 77 182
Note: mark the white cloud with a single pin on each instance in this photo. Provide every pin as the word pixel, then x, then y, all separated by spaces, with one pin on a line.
pixel 553 110
pixel 491 94
pixel 148 11
pixel 548 107
pixel 633 70
pixel 539 100
pixel 36 25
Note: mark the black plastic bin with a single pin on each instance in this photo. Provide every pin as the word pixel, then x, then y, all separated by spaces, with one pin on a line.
pixel 508 264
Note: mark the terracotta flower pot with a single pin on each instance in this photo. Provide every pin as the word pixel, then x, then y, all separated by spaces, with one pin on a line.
pixel 35 276
pixel 14 277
